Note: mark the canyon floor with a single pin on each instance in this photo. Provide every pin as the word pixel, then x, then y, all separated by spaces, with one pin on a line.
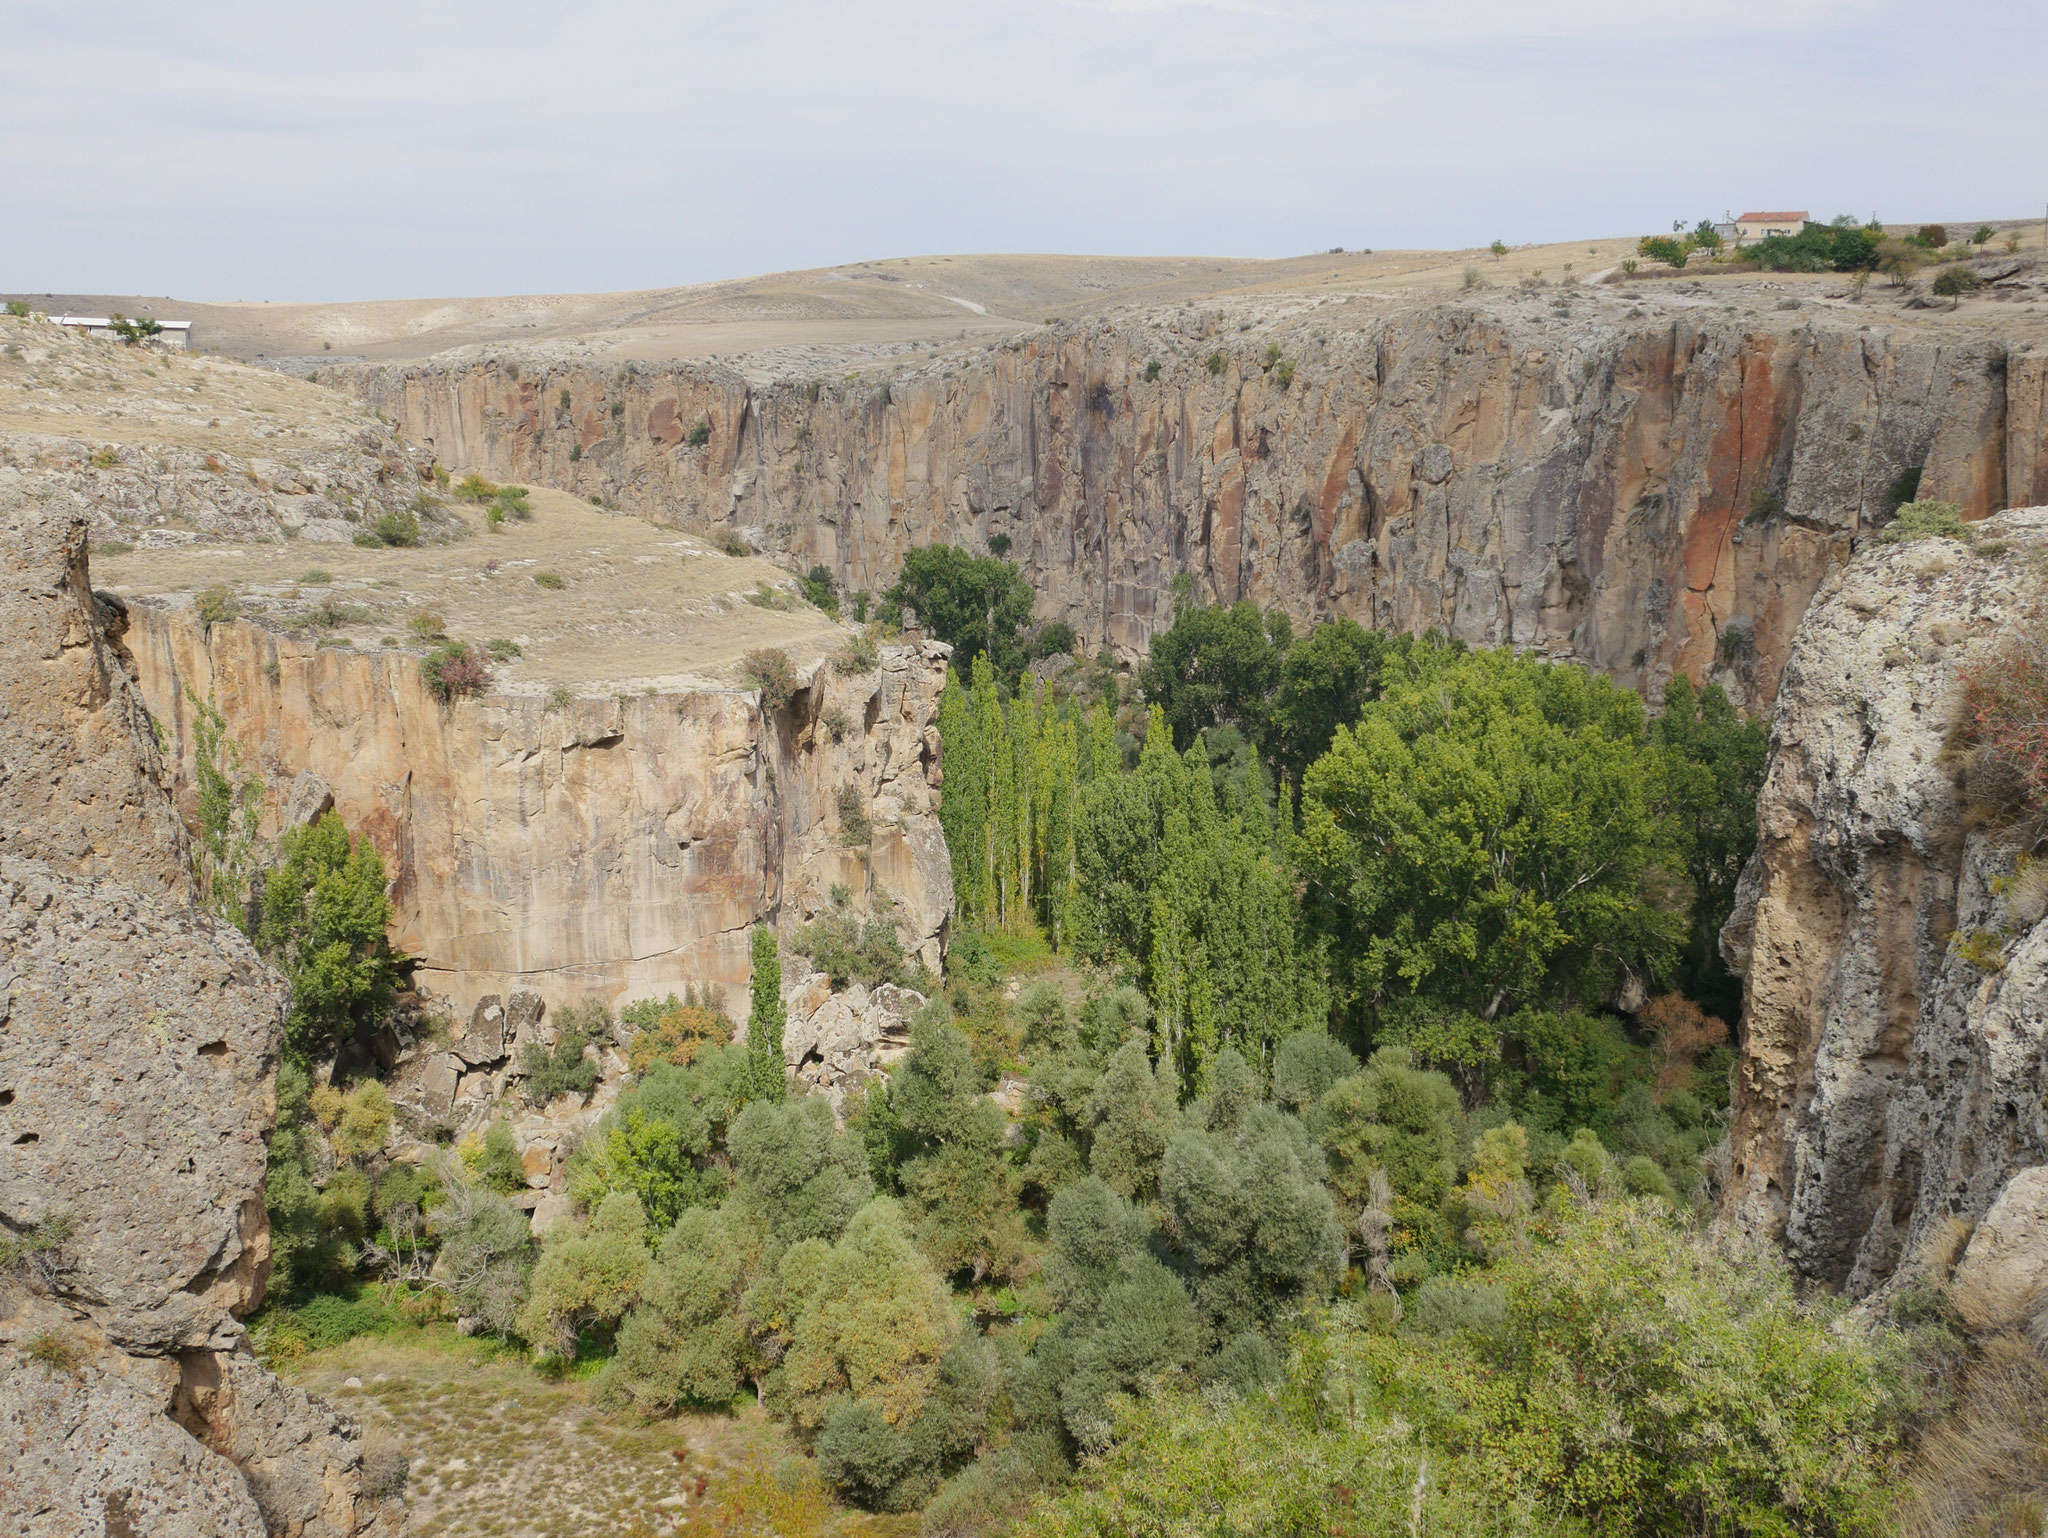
pixel 497 1451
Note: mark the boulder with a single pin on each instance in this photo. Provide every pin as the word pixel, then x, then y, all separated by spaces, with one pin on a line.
pixel 2008 1251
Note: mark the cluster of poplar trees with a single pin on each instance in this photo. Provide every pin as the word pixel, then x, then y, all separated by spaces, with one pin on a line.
pixel 1157 870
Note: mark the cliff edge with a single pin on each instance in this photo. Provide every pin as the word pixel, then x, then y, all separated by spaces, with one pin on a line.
pixel 1894 1056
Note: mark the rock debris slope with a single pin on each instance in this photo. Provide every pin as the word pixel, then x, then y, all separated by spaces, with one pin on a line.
pixel 1894 1067
pixel 139 1046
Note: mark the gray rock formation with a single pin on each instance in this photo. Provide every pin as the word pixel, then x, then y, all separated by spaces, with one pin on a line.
pixel 81 782
pixel 1894 1062
pixel 139 1044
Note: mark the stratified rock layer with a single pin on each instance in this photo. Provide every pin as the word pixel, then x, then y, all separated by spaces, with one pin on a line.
pixel 1647 491
pixel 1893 1071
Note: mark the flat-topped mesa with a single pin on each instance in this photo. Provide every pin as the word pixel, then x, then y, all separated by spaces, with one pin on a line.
pixel 1892 1076
pixel 620 804
pixel 1647 483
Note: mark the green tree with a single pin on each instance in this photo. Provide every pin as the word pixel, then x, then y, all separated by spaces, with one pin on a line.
pixel 1713 770
pixel 1244 1184
pixel 955 1172
pixel 768 1071
pixel 325 913
pixel 587 1279
pixel 1215 664
pixel 977 604
pixel 797 1176
pixel 1131 1116
pixel 1324 682
pixel 1499 249
pixel 873 1320
pixel 1198 898
pixel 229 803
pixel 684 1341
pixel 1485 838
pixel 1392 1117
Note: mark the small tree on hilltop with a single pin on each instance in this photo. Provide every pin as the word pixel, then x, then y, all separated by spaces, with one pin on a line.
pixel 767 1075
pixel 1499 249
pixel 1951 283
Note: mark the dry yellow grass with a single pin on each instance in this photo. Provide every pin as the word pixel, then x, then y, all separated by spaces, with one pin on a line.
pixel 496 1450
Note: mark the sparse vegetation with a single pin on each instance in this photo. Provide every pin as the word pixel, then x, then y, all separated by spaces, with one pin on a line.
pixel 1217 362
pixel 397 529
pixel 455 670
pixel 699 434
pixel 769 670
pixel 1926 520
pixel 553 581
pixel 216 605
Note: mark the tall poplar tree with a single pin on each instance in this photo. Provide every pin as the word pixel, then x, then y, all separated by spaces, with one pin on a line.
pixel 767 1073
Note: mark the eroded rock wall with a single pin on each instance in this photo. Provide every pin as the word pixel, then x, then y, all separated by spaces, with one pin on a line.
pixel 619 846
pixel 1894 1063
pixel 139 1045
pixel 1647 491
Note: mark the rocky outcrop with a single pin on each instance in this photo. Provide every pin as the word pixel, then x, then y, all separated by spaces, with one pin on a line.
pixel 81 783
pixel 835 1041
pixel 1645 483
pixel 1894 1062
pixel 139 1044
pixel 619 846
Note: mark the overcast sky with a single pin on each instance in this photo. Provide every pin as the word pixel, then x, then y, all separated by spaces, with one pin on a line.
pixel 377 150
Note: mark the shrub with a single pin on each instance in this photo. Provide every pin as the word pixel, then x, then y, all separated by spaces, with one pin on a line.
pixel 502 649
pixel 821 590
pixel 575 453
pixel 852 951
pixel 2005 720
pixel 770 672
pixel 1982 235
pixel 1926 520
pixel 1499 249
pixel 728 542
pixel 860 654
pixel 105 459
pixel 1663 248
pixel 1217 362
pixel 18 308
pixel 397 528
pixel 315 577
pixel 700 434
pixel 1152 371
pixel 56 1350
pixel 1471 279
pixel 497 1165
pixel 474 488
pixel 427 624
pixel 1932 236
pixel 455 670
pixel 216 605
pixel 856 828
pixel 1283 373
pixel 363 1121
pixel 37 1249
pixel 553 581
pixel 674 1030
pixel 590 1278
pixel 562 1069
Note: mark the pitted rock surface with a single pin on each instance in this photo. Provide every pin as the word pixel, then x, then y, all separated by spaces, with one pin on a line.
pixel 1890 1077
pixel 138 1051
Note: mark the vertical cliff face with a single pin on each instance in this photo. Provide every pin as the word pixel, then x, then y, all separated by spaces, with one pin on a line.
pixel 1894 1068
pixel 619 846
pixel 139 1045
pixel 1646 490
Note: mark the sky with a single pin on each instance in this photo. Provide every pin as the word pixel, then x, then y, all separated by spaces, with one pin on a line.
pixel 219 151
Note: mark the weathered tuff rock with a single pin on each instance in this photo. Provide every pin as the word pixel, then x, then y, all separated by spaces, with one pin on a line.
pixel 1647 489
pixel 2009 1247
pixel 618 847
pixel 138 1066
pixel 1890 1076
pixel 81 784
pixel 139 1043
pixel 836 1040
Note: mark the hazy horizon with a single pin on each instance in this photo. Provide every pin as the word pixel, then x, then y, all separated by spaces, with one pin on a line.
pixel 397 152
